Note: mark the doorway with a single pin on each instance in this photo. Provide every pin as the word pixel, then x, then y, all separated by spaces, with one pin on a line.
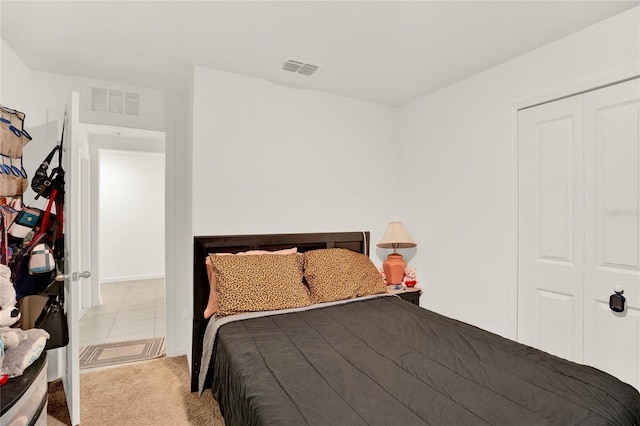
pixel 126 301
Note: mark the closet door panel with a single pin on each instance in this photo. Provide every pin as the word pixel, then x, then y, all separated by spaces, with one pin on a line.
pixel 612 233
pixel 550 263
pixel 612 343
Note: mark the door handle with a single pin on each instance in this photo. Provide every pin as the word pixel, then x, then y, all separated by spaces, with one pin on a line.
pixel 75 276
pixel 617 300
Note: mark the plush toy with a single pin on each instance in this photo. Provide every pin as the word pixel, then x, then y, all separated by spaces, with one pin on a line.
pixel 9 314
pixel 12 337
pixel 18 348
pixel 9 339
pixel 21 349
pixel 410 277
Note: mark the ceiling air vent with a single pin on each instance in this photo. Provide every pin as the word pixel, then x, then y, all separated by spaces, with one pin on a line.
pixel 298 66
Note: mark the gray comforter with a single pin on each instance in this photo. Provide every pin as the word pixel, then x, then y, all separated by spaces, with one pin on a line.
pixel 384 361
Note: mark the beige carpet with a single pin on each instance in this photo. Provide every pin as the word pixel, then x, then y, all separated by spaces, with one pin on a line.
pixel 121 352
pixel 154 392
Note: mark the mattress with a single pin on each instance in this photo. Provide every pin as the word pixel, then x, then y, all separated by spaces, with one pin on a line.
pixel 384 361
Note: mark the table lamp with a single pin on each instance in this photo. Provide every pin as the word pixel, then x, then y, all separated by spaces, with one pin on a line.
pixel 395 237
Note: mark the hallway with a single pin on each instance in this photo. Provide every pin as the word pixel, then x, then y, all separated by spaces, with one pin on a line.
pixel 130 310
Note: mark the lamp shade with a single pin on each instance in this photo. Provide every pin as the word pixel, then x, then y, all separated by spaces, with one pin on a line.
pixel 396 237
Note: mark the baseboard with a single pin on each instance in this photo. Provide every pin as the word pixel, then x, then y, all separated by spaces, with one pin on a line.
pixel 130 278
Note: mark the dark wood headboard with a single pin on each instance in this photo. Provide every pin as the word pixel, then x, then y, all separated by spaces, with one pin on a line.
pixel 202 246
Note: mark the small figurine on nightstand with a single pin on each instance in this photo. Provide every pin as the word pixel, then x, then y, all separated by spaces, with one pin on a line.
pixel 410 277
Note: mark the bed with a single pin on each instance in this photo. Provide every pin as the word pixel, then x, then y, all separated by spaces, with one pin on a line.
pixel 377 359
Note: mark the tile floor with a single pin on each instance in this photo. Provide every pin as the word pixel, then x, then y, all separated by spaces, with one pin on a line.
pixel 130 310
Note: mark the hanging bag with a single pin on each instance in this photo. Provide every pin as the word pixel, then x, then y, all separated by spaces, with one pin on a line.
pixel 27 219
pixel 41 175
pixel 42 183
pixel 53 320
pixel 41 260
pixel 26 282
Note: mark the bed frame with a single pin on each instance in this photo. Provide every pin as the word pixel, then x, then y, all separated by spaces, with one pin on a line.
pixel 355 241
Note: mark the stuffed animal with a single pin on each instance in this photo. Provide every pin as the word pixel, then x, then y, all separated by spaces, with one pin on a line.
pixel 9 314
pixel 18 348
pixel 12 337
pixel 410 277
pixel 21 349
pixel 9 338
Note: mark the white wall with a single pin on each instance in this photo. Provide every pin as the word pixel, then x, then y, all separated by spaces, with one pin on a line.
pixel 131 215
pixel 15 79
pixel 462 138
pixel 179 237
pixel 268 158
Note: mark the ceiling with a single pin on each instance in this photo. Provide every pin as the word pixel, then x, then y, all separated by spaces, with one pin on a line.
pixel 389 52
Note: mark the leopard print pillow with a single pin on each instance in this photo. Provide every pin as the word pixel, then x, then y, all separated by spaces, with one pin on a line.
pixel 258 283
pixel 339 274
pixel 212 302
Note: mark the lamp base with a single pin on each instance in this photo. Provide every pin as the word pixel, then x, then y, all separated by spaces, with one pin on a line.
pixel 394 268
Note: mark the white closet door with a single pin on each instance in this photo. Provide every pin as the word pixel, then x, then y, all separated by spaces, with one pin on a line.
pixel 551 222
pixel 612 237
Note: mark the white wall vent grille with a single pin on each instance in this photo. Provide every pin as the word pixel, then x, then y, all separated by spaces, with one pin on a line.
pixel 132 104
pixel 115 101
pixel 98 99
pixel 298 66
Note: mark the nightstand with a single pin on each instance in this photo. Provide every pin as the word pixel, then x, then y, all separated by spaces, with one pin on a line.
pixel 410 294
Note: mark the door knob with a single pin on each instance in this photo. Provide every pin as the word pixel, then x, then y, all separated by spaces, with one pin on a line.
pixel 617 300
pixel 75 276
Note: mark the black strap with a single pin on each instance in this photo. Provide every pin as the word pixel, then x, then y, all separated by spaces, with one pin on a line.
pixel 47 160
pixel 64 120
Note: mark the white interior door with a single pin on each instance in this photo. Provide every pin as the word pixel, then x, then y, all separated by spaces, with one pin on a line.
pixel 612 237
pixel 83 169
pixel 550 257
pixel 72 241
